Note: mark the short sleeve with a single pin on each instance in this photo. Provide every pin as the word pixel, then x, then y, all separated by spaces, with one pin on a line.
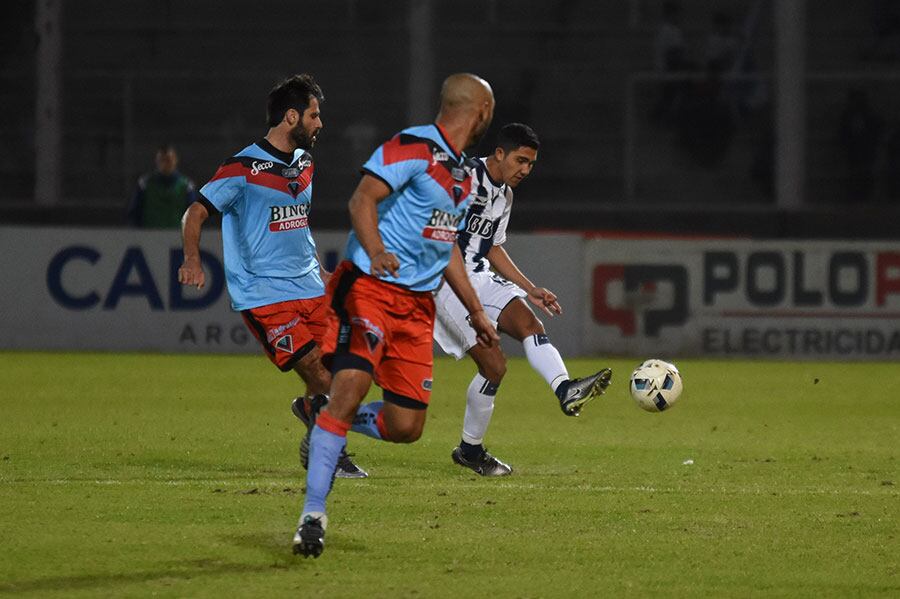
pixel 397 161
pixel 224 190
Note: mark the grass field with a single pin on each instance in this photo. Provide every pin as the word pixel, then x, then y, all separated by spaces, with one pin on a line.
pixel 137 475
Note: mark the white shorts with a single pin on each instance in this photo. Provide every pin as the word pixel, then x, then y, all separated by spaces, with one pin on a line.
pixel 452 330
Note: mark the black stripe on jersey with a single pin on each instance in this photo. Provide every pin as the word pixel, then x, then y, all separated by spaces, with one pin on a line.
pixel 446 141
pixel 202 200
pixel 475 209
pixel 366 171
pixel 285 157
pixel 278 169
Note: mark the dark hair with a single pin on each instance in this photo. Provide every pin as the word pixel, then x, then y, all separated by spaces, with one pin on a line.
pixel 294 92
pixel 165 148
pixel 516 135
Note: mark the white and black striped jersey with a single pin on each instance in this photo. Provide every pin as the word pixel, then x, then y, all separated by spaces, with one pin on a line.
pixel 486 218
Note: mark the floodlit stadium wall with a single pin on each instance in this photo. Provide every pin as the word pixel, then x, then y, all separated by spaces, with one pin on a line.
pixel 117 290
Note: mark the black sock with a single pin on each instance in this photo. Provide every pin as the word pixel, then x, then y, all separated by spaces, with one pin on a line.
pixel 469 451
pixel 561 390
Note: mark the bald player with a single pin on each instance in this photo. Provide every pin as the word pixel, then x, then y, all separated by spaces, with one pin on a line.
pixel 405 212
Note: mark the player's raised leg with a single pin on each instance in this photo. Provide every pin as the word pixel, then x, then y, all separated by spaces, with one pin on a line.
pixel 518 321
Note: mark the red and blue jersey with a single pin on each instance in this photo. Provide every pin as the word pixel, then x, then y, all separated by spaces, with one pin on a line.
pixel 430 185
pixel 264 196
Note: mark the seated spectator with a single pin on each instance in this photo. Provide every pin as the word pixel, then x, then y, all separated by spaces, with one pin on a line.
pixel 163 195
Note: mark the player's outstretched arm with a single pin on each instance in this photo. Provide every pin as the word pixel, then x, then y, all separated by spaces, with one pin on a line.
pixel 503 265
pixel 364 218
pixel 191 271
pixel 458 279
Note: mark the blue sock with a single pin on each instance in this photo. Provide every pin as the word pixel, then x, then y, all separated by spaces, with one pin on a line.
pixel 366 419
pixel 324 450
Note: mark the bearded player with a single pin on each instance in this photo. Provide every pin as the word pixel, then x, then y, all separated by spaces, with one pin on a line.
pixel 502 289
pixel 274 278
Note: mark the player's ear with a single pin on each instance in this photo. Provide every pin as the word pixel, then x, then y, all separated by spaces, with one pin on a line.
pixel 291 116
pixel 499 154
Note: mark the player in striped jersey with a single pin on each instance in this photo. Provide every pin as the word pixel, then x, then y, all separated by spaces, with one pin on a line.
pixel 502 293
pixel 275 280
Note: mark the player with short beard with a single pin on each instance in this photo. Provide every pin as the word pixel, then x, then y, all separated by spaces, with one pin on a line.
pixel 272 269
pixel 502 288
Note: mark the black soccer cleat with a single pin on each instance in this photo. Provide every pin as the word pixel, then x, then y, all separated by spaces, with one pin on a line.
pixel 581 391
pixel 346 468
pixel 309 540
pixel 485 464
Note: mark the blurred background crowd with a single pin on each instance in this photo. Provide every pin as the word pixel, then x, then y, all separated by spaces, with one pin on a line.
pixel 669 116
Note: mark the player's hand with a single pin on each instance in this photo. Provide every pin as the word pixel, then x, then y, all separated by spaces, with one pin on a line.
pixel 385 263
pixel 191 273
pixel 485 332
pixel 545 300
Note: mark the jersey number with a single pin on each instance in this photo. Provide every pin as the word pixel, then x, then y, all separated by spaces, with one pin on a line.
pixel 480 226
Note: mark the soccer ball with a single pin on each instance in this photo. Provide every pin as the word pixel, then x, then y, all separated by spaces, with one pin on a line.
pixel 655 385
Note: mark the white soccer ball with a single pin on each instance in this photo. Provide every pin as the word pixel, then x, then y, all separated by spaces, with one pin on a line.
pixel 655 385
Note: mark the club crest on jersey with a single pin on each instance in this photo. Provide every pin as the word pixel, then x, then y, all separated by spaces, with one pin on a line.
pixel 288 218
pixel 442 225
pixel 290 173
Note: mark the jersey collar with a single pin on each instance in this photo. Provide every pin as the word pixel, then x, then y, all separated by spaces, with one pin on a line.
pixel 487 173
pixel 456 153
pixel 285 157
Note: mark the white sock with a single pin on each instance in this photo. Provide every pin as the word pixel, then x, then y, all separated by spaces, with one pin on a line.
pixel 479 407
pixel 320 515
pixel 545 360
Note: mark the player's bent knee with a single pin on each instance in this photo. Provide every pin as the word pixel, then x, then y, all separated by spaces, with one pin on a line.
pixel 404 418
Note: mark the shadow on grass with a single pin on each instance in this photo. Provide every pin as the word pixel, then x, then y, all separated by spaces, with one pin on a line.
pixel 181 570
pixel 277 546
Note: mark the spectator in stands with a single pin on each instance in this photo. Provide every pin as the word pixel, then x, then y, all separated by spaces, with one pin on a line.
pixel 163 195
pixel 669 56
pixel 860 132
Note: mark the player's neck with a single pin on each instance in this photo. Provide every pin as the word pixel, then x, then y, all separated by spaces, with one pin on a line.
pixel 493 170
pixel 280 140
pixel 455 133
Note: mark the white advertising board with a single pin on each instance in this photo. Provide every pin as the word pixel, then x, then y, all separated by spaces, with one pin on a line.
pixel 117 289
pixel 785 299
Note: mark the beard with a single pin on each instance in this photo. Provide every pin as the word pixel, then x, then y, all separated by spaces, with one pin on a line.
pixel 301 138
pixel 479 132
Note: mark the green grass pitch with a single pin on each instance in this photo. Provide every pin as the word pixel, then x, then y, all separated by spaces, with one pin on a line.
pixel 136 475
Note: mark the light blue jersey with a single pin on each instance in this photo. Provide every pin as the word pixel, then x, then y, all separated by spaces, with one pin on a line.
pixel 264 196
pixel 418 222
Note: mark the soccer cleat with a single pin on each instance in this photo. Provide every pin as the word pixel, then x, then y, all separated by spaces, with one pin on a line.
pixel 309 540
pixel 581 391
pixel 346 468
pixel 485 464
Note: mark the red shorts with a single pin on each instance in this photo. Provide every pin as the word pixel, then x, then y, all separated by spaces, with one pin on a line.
pixel 289 330
pixel 385 330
